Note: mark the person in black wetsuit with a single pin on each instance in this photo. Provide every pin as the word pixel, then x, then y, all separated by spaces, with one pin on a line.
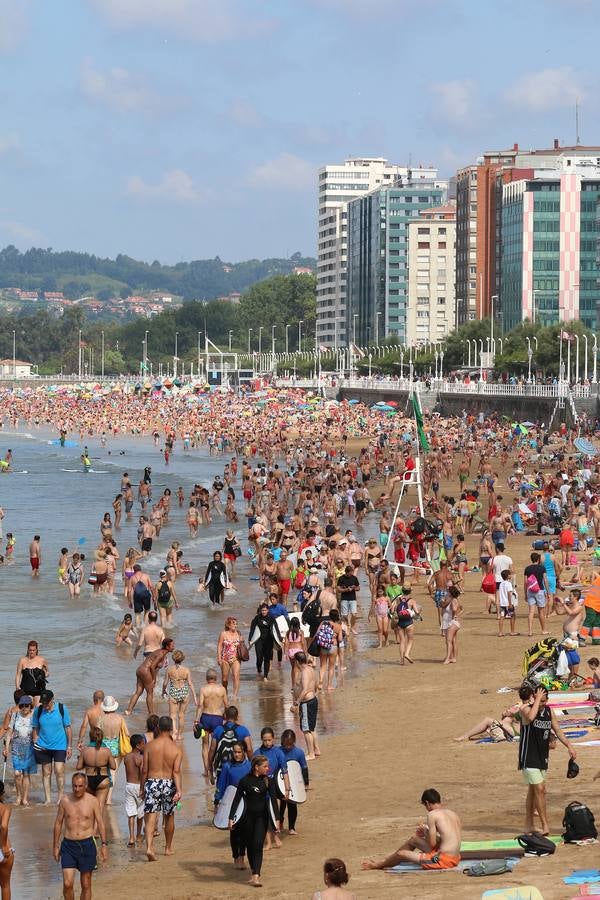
pixel 215 578
pixel 263 646
pixel 254 790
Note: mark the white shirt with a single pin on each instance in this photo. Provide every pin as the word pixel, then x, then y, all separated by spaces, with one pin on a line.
pixel 504 592
pixel 501 562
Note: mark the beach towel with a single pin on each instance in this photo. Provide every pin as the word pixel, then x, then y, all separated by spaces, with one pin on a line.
pixel 525 892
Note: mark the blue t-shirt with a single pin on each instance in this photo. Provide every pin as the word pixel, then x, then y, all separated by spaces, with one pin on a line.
pixel 278 609
pixel 50 727
pixel 231 773
pixel 296 754
pixel 276 759
pixel 241 731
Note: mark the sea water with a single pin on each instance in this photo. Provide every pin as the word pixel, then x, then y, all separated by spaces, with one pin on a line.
pixel 77 637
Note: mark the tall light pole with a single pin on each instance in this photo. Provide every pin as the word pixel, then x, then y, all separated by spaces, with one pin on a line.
pixel 14 353
pixel 576 359
pixel 199 351
pixel 493 297
pixel 230 336
pixel 354 318
pixel 377 329
pixel 287 340
pixel 175 358
pixel 102 357
pixel 273 327
pixel 80 353
pixel 529 355
pixel 585 373
pixel 145 354
pixel 595 352
pixel 300 324
pixel 260 331
pixel 249 340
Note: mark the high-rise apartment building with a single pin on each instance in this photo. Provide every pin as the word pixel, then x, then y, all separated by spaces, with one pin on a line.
pixel 550 270
pixel 338 185
pixel 377 256
pixel 431 275
pixel 479 219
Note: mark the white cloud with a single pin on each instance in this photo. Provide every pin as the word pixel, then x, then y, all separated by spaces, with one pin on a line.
pixel 13 23
pixel 201 20
pixel 546 90
pixel 456 100
pixel 117 88
pixel 175 185
pixel 284 172
pixel 18 231
pixel 8 142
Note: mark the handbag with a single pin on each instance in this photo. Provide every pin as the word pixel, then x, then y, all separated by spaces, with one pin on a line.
pixel 488 583
pixel 124 742
pixel 242 652
pixel 237 551
pixel 197 730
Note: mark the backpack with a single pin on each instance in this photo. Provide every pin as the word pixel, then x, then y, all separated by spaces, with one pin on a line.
pixel 141 592
pixel 578 823
pixel 324 636
pixel 533 584
pixel 536 845
pixel 164 594
pixel 489 867
pixel 311 612
pixel 224 752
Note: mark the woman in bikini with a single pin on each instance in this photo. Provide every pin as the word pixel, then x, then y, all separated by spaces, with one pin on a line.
pixel 7 853
pixel 294 643
pixel 227 654
pixel 372 559
pixel 177 685
pixel 451 611
pixel 459 558
pixel 97 762
pixel 106 526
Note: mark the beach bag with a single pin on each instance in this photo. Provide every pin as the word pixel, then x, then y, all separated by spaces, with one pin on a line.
pixel 242 652
pixel 488 583
pixel 324 636
pixel 536 845
pixel 141 592
pixel 163 595
pixel 224 752
pixel 579 823
pixel 540 655
pixel 419 526
pixel 533 584
pixel 488 867
pixel 124 742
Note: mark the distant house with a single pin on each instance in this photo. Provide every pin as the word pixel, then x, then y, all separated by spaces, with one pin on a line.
pixel 16 369
pixel 54 295
pixel 302 270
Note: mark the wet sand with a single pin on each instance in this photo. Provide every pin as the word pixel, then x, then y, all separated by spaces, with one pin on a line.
pixel 397 741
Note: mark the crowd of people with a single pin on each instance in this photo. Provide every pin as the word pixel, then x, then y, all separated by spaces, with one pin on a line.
pixel 306 484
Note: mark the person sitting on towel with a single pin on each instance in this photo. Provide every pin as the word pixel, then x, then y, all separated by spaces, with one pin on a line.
pixel 436 843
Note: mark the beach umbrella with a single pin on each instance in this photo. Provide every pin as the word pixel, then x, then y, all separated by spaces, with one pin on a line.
pixel 353 401
pixel 529 424
pixel 392 403
pixel 585 447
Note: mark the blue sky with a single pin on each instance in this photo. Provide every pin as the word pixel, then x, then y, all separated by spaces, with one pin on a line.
pixel 181 129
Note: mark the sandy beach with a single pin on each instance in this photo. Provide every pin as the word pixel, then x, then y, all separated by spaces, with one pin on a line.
pixel 365 789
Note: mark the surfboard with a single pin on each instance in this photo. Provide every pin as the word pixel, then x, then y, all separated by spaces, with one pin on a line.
pixel 221 816
pixel 297 786
pixel 255 635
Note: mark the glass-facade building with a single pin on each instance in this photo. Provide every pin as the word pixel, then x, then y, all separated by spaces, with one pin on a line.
pixel 377 235
pixel 549 262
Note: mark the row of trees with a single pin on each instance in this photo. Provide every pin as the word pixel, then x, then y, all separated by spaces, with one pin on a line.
pixel 76 274
pixel 53 343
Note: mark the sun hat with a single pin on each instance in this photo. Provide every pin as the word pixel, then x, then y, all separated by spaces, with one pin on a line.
pixel 109 704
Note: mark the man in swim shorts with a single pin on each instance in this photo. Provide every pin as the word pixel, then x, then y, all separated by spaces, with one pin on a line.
pixel 436 843
pixel 210 711
pixel 161 785
pixel 79 813
pixel 305 695
pixel 35 556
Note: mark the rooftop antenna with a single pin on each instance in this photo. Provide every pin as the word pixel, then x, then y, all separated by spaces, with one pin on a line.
pixel 577 138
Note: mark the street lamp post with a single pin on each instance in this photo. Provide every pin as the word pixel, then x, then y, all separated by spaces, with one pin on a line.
pixel 230 336
pixel 576 359
pixel 273 327
pixel 595 352
pixel 80 360
pixel 377 330
pixel 175 358
pixel 354 318
pixel 300 324
pixel 480 358
pixel 529 356
pixel 102 362
pixel 198 349
pixel 14 367
pixel 493 297
pixel 585 372
pixel 287 340
pixel 250 330
pixel 145 353
pixel 260 331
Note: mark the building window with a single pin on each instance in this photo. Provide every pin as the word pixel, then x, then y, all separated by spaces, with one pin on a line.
pixel 442 245
pixel 423 231
pixel 423 245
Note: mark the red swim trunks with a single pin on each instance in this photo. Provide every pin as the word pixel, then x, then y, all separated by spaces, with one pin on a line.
pixel 437 860
pixel 285 585
pixel 35 562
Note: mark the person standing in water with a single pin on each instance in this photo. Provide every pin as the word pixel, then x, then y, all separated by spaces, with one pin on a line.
pixel 6 851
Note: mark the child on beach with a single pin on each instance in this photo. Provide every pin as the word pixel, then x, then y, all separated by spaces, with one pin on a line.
pixel 124 628
pixel 594 664
pixel 381 607
pixel 508 603
pixel 10 546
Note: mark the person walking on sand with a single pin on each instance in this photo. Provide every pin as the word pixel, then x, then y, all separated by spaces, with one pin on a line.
pixel 134 803
pixel 79 814
pixel 307 704
pixel 146 675
pixel 435 844
pixel 210 712
pixel 160 785
pixel 537 723
pixel 536 590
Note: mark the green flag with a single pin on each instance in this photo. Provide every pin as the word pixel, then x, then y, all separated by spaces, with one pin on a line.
pixel 423 442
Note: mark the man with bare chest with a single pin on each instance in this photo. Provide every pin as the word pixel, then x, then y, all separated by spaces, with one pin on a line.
pixel 161 785
pixel 79 814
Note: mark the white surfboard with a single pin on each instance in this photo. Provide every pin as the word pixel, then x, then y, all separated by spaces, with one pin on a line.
pixel 221 816
pixel 297 786
pixel 254 636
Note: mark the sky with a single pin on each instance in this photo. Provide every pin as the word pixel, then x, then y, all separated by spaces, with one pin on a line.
pixel 187 129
